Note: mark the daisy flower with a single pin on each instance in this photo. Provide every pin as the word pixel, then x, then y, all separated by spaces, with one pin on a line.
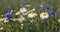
pixel 32 14
pixel 44 15
pixel 23 10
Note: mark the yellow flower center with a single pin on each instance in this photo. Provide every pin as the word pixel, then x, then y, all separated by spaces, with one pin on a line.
pixel 31 12
pixel 44 14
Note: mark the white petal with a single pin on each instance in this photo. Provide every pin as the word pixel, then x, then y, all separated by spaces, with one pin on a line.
pixel 24 10
pixel 17 13
pixel 31 16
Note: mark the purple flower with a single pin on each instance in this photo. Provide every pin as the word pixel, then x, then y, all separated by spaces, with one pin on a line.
pixel 8 7
pixel 8 15
pixel 52 12
pixel 47 6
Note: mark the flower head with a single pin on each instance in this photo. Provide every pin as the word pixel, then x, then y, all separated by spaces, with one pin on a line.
pixel 1 28
pixel 58 20
pixel 23 10
pixel 44 15
pixel 32 14
pixel 8 15
pixel 52 12
pixel 47 6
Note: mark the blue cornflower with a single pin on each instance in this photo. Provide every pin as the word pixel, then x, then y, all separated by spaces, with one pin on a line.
pixel 47 6
pixel 8 15
pixel 52 12
pixel 8 7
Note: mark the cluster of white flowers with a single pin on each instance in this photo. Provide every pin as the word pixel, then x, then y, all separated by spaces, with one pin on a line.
pixel 31 13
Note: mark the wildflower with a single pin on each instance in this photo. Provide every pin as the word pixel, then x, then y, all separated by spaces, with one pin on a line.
pixel 44 15
pixel 31 20
pixel 1 19
pixel 20 19
pixel 52 13
pixel 33 9
pixel 8 15
pixel 22 24
pixel 58 20
pixel 5 20
pixel 21 27
pixel 23 10
pixel 32 14
pixel 41 5
pixel 17 13
pixel 1 28
pixel 47 6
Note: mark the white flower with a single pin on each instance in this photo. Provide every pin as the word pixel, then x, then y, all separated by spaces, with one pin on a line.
pixel 33 9
pixel 17 13
pixel 41 5
pixel 21 19
pixel 11 10
pixel 21 27
pixel 5 19
pixel 32 14
pixel 22 24
pixel 44 15
pixel 31 20
pixel 22 10
pixel 1 28
pixel 58 20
